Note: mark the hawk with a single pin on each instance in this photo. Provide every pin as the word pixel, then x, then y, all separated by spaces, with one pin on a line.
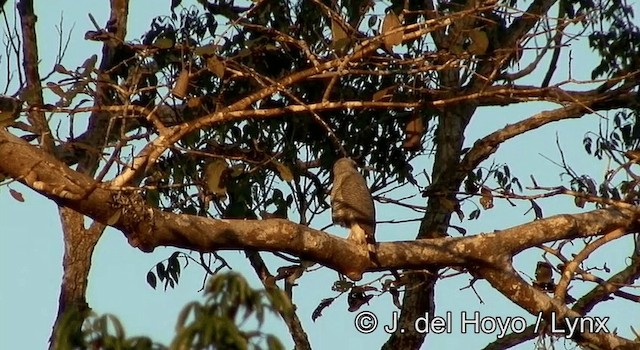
pixel 351 203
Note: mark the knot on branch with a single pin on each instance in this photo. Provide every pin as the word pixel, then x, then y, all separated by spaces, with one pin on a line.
pixel 130 214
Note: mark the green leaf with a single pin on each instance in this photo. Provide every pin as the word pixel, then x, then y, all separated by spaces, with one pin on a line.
pixel 160 270
pixel 174 268
pixel 210 49
pixel 274 343
pixel 117 326
pixel 373 19
pixel 215 178
pixel 114 218
pixel 151 279
pixel 152 198
pixel 182 316
pixel 28 94
pixel 163 43
pixel 460 230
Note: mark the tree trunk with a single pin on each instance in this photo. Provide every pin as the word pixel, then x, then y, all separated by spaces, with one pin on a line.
pixel 419 297
pixel 79 244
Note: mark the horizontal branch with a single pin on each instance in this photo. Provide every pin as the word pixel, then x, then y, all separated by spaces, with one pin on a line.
pixel 147 228
pixel 489 144
pixel 486 255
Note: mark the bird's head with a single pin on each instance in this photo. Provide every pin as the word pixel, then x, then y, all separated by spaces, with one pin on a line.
pixel 344 164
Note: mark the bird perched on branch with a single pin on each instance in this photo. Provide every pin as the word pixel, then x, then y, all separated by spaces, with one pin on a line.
pixel 352 205
pixel 544 277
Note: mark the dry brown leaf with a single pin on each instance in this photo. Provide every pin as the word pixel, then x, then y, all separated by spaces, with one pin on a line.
pixel 216 66
pixel 214 177
pixel 16 195
pixel 114 218
pixel 285 172
pixel 182 84
pixel 633 154
pixel 194 102
pixel 337 31
pixel 56 89
pixel 384 93
pixel 413 133
pixel 487 198
pixel 391 22
pixel 544 277
pixel 479 42
pixel 341 40
pixel 236 170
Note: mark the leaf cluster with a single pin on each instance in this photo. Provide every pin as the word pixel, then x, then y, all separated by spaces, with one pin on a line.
pixel 230 301
pixel 219 323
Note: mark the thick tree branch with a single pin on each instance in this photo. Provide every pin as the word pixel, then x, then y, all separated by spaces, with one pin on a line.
pixel 299 336
pixel 584 305
pixel 512 339
pixel 603 291
pixel 504 279
pixel 489 144
pixel 148 228
pixel 79 242
pixel 571 267
pixel 32 73
pixel 101 123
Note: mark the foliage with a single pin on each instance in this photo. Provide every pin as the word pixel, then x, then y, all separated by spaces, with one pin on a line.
pixel 230 301
pixel 217 324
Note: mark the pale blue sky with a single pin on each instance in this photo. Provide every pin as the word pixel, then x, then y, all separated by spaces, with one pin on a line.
pixel 31 240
